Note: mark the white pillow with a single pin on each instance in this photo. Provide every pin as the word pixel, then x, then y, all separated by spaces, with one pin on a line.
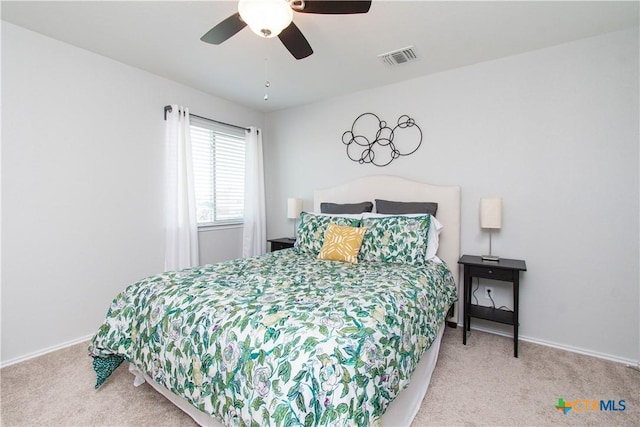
pixel 432 235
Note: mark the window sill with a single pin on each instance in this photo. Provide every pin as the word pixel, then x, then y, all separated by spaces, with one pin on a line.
pixel 216 227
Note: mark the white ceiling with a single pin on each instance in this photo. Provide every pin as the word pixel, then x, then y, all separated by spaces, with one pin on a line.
pixel 163 37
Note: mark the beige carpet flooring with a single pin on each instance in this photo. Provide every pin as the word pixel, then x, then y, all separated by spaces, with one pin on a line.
pixel 477 384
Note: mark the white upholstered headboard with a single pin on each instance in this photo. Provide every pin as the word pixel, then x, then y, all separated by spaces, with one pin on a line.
pixel 399 189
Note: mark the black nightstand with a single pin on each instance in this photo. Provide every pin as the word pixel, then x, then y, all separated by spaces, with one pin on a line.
pixel 506 270
pixel 281 243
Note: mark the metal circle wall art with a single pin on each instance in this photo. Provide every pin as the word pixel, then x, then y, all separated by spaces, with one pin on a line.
pixel 371 140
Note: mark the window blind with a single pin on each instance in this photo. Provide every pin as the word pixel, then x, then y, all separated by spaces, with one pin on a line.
pixel 218 164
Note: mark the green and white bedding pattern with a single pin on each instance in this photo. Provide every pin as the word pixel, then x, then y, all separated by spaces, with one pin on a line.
pixel 283 339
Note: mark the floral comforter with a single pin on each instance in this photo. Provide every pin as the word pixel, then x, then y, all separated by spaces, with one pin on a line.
pixel 282 339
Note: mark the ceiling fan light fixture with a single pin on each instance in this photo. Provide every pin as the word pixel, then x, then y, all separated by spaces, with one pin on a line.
pixel 266 18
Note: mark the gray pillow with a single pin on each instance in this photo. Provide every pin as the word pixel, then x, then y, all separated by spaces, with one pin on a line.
pixel 346 208
pixel 399 208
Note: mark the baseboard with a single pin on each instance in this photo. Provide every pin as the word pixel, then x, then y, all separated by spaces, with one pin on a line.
pixel 629 362
pixel 625 361
pixel 44 351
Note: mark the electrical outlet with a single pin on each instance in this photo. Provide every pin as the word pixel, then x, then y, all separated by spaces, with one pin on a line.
pixel 488 292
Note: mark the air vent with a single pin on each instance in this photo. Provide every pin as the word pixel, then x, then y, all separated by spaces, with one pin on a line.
pixel 400 56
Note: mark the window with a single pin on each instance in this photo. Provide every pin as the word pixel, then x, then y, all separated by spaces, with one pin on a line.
pixel 218 166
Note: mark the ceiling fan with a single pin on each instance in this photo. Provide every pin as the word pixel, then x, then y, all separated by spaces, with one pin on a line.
pixel 271 18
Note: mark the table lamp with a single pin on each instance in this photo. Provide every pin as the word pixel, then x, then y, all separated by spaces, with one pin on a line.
pixel 491 219
pixel 294 207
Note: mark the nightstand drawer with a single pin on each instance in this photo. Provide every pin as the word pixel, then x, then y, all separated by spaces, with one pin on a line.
pixel 491 273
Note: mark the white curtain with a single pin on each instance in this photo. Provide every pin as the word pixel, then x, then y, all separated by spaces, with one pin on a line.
pixel 181 226
pixel 254 236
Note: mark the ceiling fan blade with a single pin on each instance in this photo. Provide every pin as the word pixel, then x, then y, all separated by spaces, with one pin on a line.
pixel 295 42
pixel 224 29
pixel 334 7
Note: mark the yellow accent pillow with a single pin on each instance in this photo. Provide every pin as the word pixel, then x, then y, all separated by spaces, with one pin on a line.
pixel 342 243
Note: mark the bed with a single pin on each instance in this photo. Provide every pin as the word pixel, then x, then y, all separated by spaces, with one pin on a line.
pixel 290 339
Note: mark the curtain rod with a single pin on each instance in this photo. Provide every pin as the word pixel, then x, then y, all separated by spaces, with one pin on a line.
pixel 167 108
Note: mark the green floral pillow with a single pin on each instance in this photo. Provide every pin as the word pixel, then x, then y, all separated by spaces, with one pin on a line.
pixel 395 239
pixel 312 227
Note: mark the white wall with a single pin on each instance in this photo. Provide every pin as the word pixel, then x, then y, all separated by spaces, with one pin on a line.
pixel 554 132
pixel 82 142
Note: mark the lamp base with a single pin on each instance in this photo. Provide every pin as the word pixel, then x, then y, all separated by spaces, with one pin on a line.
pixel 490 258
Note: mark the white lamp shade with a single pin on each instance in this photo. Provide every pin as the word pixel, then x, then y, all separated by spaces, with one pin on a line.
pixel 491 212
pixel 266 18
pixel 294 207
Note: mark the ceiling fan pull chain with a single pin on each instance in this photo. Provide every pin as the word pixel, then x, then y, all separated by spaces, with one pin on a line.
pixel 267 83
